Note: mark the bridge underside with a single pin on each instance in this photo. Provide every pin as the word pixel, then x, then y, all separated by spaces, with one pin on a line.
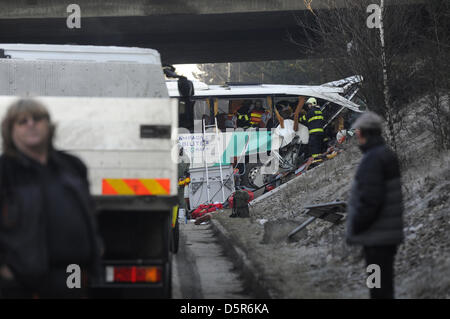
pixel 183 31
pixel 179 38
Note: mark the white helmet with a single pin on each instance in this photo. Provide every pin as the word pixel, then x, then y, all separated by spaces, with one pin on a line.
pixel 312 101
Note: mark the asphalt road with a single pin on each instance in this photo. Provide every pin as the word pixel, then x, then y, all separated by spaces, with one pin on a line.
pixel 201 269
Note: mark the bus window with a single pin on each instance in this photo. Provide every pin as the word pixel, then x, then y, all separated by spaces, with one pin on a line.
pixel 201 108
pixel 185 118
pixel 257 106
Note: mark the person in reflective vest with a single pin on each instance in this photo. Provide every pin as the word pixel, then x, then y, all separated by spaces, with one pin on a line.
pixel 183 180
pixel 256 115
pixel 314 120
pixel 243 116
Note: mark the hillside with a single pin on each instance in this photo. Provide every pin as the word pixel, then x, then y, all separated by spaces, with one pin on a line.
pixel 319 264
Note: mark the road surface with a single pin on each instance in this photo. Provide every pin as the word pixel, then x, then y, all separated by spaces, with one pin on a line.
pixel 201 269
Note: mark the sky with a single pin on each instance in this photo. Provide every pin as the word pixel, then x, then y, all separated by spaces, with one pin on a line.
pixel 187 70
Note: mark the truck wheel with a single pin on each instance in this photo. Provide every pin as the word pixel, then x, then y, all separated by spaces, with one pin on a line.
pixel 175 237
pixel 252 177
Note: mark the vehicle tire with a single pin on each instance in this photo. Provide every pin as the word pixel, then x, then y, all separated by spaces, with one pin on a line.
pixel 248 178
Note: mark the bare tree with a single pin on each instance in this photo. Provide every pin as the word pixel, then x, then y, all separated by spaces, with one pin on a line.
pixel 378 54
pixel 435 71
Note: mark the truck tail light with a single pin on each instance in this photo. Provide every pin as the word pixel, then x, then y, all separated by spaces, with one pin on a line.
pixel 133 274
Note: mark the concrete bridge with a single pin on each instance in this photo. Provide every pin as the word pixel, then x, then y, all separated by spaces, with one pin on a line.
pixel 183 31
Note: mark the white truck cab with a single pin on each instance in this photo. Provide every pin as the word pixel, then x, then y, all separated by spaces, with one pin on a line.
pixel 112 109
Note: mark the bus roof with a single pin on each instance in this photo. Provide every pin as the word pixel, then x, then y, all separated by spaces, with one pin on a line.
pixel 332 91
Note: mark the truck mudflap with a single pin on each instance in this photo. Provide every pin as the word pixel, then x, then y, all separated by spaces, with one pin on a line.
pixel 137 232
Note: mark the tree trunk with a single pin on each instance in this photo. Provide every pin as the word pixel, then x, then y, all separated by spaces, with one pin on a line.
pixel 386 91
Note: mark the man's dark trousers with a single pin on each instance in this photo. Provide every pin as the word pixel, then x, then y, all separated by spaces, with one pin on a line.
pixel 382 256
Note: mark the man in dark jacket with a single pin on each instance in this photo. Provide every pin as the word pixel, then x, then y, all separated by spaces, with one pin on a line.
pixel 46 220
pixel 376 207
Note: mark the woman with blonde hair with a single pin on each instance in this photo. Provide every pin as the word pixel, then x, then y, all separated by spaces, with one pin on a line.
pixel 46 220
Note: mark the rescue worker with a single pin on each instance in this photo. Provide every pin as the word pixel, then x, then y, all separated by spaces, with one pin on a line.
pixel 314 120
pixel 289 123
pixel 184 185
pixel 183 181
pixel 256 115
pixel 283 113
pixel 243 116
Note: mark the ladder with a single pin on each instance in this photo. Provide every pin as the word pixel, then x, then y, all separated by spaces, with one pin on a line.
pixel 219 148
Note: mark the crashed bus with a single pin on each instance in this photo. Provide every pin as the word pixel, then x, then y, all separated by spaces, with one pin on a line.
pixel 218 148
